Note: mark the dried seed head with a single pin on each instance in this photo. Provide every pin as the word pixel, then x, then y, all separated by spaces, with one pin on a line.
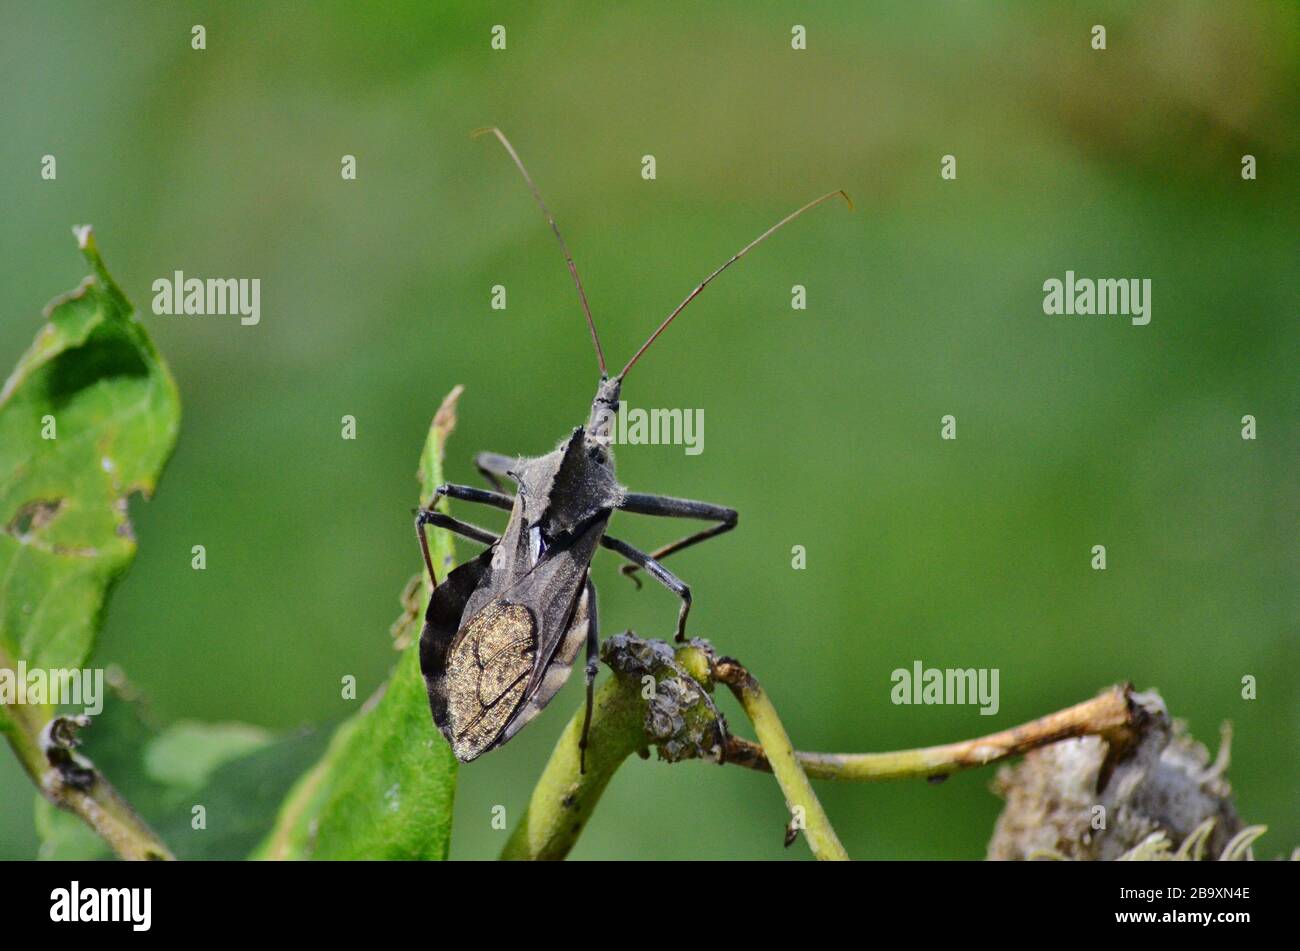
pixel 1060 801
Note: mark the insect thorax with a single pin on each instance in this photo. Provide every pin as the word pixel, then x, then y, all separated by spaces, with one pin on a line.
pixel 564 489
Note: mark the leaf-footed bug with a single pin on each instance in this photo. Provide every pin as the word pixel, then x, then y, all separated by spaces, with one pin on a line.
pixel 502 630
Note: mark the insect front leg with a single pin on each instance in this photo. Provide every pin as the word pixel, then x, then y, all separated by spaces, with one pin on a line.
pixel 465 493
pixel 661 574
pixel 668 507
pixel 468 493
pixel 430 517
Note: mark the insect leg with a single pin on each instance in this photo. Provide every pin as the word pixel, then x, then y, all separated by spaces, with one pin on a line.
pixel 492 465
pixel 661 574
pixel 668 507
pixel 468 493
pixel 593 664
pixel 430 517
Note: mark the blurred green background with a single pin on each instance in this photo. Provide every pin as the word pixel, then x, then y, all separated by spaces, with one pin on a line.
pixel 821 426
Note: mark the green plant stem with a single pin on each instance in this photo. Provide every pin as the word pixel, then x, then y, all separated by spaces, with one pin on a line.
pixel 565 795
pixel 98 804
pixel 104 810
pixel 781 758
pixel 1109 714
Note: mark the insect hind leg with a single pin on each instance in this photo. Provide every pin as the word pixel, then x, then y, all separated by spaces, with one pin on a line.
pixel 593 665
pixel 493 465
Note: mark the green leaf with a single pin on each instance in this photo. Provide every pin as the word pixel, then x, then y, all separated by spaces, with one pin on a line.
pixel 384 788
pixel 240 798
pixel 238 774
pixel 93 381
pixel 188 753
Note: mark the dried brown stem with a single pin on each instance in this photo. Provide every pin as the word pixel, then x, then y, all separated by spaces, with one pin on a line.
pixel 71 782
pixel 1109 714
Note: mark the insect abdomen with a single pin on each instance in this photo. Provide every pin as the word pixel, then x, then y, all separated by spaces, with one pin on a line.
pixel 487 673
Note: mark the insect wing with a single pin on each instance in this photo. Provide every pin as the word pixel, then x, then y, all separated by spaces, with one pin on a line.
pixel 488 670
pixel 554 587
pixel 561 665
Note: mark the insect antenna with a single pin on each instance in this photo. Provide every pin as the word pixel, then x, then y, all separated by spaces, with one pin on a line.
pixel 573 268
pixel 734 258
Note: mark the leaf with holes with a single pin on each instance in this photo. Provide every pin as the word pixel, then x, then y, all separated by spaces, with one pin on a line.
pixel 87 418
